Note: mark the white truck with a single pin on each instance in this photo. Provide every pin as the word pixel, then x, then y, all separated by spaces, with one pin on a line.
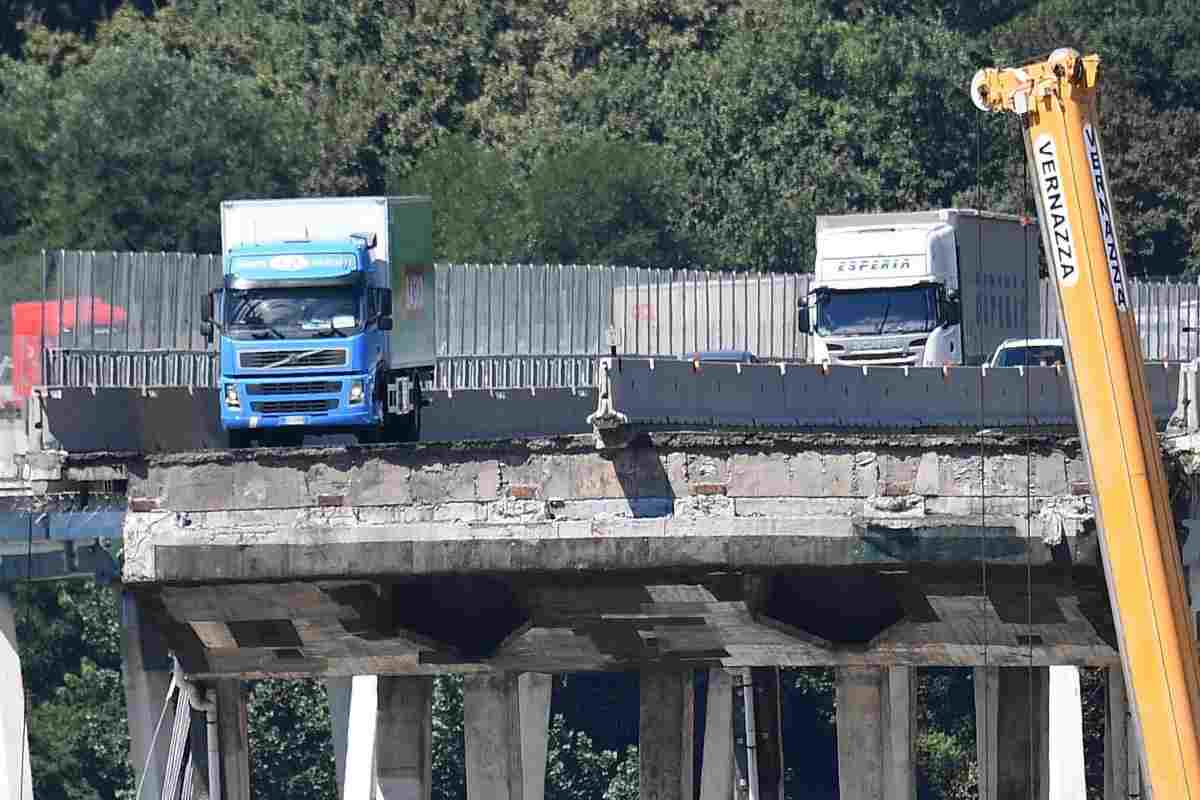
pixel 924 288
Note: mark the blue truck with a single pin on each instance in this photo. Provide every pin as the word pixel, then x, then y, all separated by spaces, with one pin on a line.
pixel 325 317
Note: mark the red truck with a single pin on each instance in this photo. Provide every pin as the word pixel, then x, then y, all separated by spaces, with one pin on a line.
pixel 86 321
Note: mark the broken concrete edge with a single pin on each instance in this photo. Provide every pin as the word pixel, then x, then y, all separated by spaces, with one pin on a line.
pixel 843 440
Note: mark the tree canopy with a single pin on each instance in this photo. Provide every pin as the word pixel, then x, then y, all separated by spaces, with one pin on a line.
pixel 698 132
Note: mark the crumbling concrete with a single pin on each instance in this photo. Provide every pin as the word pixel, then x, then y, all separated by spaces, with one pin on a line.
pixel 723 550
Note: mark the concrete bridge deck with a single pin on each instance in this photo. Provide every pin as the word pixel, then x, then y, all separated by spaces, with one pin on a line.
pixel 680 549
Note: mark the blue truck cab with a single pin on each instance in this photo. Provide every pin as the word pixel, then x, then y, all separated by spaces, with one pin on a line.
pixel 313 338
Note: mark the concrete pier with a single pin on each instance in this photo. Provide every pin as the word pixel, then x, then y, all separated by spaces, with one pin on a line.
pixel 1122 747
pixel 1012 717
pixel 666 730
pixel 1067 779
pixel 506 718
pixel 337 692
pixel 362 739
pixel 875 727
pixel 234 739
pixel 768 732
pixel 146 667
pixel 15 781
pixel 404 745
pixel 717 760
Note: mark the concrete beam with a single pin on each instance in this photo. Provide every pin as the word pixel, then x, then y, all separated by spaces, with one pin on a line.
pixel 146 667
pixel 15 776
pixel 666 725
pixel 875 732
pixel 1012 714
pixel 506 719
pixel 233 739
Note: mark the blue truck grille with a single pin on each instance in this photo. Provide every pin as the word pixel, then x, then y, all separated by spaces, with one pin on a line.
pixel 293 406
pixel 305 387
pixel 292 359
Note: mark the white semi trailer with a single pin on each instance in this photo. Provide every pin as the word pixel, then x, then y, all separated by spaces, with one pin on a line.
pixel 925 288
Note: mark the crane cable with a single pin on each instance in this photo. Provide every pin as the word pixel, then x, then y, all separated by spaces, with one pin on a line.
pixel 1026 196
pixel 1024 309
pixel 984 762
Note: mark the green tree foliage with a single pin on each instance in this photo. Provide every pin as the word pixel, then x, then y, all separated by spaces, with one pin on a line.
pixel 601 201
pixel 69 639
pixel 199 136
pixel 738 121
pixel 945 746
pixel 591 201
pixel 291 742
pixel 577 770
pixel 449 746
pixel 477 209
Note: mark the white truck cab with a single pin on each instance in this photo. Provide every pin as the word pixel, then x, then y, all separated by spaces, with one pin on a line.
pixel 922 289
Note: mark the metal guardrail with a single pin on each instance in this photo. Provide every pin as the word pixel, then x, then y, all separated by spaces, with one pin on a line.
pixel 146 369
pixel 132 320
pixel 455 373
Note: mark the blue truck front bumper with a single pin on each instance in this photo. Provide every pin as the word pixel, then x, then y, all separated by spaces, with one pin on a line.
pixel 321 402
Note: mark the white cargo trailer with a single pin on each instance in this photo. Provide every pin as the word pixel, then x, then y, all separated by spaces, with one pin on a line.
pixel 923 288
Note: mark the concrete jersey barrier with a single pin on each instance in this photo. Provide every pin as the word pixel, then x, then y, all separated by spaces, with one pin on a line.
pixel 640 391
pixel 670 392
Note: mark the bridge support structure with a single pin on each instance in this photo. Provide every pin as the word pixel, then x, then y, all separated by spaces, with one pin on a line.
pixel 15 772
pixel 875 732
pixel 506 720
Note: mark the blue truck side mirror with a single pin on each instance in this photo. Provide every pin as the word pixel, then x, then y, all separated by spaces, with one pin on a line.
pixel 385 309
pixel 206 316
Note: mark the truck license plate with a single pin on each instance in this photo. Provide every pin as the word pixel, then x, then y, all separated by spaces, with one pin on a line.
pixel 293 420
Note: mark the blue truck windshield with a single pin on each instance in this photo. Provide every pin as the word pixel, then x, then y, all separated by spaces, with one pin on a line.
pixel 293 312
pixel 900 309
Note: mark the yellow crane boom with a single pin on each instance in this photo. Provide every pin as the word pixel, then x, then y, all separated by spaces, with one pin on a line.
pixel 1056 101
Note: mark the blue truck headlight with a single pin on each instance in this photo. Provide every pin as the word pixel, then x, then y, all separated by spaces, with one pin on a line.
pixel 231 396
pixel 356 393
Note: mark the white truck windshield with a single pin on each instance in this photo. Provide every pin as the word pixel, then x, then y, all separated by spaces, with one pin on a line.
pixel 902 309
pixel 292 313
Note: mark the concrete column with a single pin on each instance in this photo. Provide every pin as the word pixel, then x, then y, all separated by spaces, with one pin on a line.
pixel 1012 717
pixel 404 747
pixel 875 733
pixel 506 719
pixel 362 739
pixel 146 667
pixel 768 733
pixel 716 766
pixel 1122 747
pixel 1067 780
pixel 533 692
pixel 15 780
pixel 233 739
pixel 337 691
pixel 666 722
